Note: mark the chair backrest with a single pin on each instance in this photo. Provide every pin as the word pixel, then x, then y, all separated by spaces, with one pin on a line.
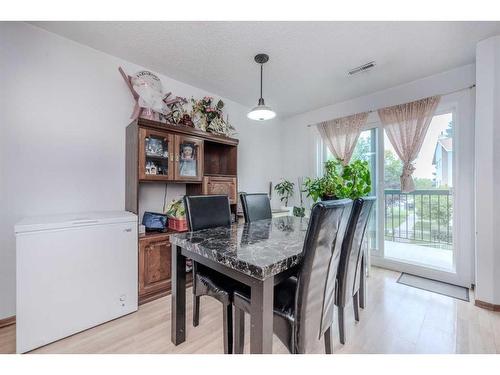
pixel 207 211
pixel 351 254
pixel 315 294
pixel 256 206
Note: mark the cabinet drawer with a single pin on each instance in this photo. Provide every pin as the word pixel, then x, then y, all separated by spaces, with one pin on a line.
pixel 221 185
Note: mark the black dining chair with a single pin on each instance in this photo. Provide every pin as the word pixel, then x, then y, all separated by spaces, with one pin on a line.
pixel 304 305
pixel 203 212
pixel 256 206
pixel 351 273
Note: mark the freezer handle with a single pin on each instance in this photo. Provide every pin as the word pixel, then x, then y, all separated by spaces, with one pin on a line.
pixel 83 222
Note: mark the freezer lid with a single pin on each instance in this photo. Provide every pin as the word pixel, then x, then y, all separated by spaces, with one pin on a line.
pixel 38 223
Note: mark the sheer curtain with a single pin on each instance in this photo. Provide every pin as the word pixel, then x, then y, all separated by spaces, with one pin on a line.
pixel 406 126
pixel 341 135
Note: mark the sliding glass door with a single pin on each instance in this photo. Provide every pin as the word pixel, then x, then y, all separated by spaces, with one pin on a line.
pixel 417 232
pixel 418 226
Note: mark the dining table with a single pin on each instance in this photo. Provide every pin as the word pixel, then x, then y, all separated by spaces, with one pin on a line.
pixel 259 254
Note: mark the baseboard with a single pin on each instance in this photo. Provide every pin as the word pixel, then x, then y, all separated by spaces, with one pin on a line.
pixel 487 305
pixel 7 321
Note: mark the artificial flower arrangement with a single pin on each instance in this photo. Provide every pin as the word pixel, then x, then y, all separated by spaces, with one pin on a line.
pixel 209 117
pixel 152 103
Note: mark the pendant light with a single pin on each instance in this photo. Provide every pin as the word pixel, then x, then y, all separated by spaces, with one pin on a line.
pixel 262 112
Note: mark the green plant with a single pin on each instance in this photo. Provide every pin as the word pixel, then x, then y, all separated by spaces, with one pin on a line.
pixel 357 179
pixel 175 209
pixel 327 187
pixel 285 190
pixel 350 181
pixel 299 211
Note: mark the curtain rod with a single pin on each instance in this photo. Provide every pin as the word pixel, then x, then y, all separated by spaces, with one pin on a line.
pixel 375 110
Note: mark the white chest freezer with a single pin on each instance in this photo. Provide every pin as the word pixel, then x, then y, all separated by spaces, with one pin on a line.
pixel 73 272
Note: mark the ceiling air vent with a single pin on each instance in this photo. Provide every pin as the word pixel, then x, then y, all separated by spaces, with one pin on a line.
pixel 362 68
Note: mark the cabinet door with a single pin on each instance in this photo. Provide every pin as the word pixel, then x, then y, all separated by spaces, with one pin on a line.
pixel 154 265
pixel 156 154
pixel 221 185
pixel 188 158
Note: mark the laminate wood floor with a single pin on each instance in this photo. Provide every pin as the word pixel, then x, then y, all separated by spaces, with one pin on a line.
pixel 397 319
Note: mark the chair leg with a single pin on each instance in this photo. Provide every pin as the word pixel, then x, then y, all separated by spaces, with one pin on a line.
pixel 239 330
pixel 355 304
pixel 362 284
pixel 328 337
pixel 341 324
pixel 227 324
pixel 196 310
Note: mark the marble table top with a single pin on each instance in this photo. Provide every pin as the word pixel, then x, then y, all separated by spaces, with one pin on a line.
pixel 260 249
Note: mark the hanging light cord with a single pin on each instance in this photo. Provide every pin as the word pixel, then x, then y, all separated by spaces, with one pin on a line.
pixel 261 69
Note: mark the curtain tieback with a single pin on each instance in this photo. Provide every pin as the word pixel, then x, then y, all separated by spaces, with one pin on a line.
pixel 407 184
pixel 408 169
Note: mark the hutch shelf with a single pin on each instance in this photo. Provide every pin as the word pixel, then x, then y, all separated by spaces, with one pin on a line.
pixel 162 153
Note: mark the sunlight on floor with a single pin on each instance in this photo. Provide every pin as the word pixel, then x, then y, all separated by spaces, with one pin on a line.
pixel 422 255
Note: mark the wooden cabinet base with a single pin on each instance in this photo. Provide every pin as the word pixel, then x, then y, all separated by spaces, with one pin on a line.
pixel 154 264
pixel 148 298
pixel 145 298
pixel 155 253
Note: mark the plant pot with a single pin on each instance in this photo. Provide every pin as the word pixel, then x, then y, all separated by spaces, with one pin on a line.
pixel 328 198
pixel 179 225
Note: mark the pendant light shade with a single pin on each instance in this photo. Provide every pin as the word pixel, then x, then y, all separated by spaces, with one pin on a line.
pixel 261 112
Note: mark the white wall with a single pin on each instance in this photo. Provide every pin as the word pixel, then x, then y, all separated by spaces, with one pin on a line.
pixel 488 171
pixel 300 143
pixel 64 109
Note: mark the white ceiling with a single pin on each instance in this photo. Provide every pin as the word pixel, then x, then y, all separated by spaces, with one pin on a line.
pixel 308 60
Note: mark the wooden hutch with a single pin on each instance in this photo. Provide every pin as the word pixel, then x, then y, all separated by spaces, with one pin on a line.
pixel 161 153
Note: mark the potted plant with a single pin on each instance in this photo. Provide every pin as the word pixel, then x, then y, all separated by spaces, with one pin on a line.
pixel 285 192
pixel 176 216
pixel 300 211
pixel 350 181
pixel 357 179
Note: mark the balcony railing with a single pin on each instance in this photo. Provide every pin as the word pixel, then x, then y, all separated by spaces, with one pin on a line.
pixel 423 217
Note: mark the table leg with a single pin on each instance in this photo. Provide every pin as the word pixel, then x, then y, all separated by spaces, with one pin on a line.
pixel 362 283
pixel 178 308
pixel 261 317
